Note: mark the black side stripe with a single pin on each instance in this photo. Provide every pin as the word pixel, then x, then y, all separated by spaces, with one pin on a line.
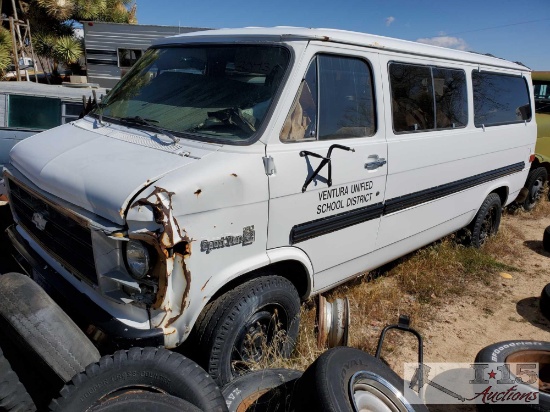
pixel 323 226
pixel 423 196
pixel 319 227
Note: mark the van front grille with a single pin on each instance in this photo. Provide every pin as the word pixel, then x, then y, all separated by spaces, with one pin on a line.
pixel 60 235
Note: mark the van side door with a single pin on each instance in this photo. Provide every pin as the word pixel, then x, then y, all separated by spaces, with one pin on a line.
pixel 327 193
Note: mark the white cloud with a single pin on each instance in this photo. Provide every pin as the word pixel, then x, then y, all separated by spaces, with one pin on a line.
pixel 390 20
pixel 445 41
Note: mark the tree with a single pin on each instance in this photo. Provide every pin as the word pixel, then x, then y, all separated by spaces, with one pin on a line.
pixel 5 50
pixel 53 24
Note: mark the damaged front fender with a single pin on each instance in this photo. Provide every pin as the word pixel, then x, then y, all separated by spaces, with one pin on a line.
pixel 151 219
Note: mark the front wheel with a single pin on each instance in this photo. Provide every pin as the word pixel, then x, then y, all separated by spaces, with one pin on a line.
pixel 256 320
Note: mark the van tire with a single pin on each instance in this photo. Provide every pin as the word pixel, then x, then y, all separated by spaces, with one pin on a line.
pixel 265 387
pixel 546 239
pixel 13 395
pixel 156 370
pixel 486 221
pixel 499 352
pixel 325 385
pixel 535 182
pixel 222 328
pixel 145 402
pixel 36 322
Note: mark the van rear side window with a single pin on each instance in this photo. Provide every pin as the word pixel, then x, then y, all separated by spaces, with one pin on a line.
pixel 500 99
pixel 427 98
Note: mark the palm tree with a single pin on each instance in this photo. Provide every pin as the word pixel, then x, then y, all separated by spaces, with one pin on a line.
pixel 5 50
pixel 52 23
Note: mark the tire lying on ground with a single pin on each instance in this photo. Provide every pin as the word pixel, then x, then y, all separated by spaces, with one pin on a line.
pixel 545 301
pixel 13 395
pixel 154 370
pixel 34 320
pixel 521 351
pixel 325 385
pixel 546 239
pixel 145 402
pixel 263 390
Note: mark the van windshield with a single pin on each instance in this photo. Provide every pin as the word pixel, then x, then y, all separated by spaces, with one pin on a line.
pixel 219 93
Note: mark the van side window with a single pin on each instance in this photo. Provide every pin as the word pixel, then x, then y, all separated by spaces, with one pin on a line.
pixel 346 104
pixel 31 112
pixel 301 122
pixel 335 101
pixel 412 97
pixel 500 99
pixel 427 98
pixel 451 100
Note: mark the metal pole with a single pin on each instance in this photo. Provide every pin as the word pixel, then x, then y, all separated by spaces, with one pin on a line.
pixel 14 45
pixel 17 25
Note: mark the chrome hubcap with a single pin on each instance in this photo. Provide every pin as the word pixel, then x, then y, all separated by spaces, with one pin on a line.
pixel 372 393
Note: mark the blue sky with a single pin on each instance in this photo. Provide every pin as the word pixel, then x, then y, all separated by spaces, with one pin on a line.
pixel 511 29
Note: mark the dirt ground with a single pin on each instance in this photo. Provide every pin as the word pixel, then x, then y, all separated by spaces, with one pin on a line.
pixel 458 329
pixel 507 310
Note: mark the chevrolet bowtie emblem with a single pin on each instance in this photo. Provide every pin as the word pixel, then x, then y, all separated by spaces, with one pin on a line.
pixel 39 220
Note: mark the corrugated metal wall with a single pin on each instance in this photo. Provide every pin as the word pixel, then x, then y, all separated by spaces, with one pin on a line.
pixel 102 41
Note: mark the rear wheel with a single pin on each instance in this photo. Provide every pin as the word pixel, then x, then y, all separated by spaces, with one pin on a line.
pixel 258 319
pixel 535 185
pixel 486 222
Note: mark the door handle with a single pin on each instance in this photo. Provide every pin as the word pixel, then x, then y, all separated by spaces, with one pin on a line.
pixel 375 163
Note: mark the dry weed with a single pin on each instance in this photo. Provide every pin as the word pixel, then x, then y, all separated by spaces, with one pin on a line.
pixel 415 285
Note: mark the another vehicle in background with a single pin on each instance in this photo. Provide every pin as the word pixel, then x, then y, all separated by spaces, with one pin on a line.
pixel 27 108
pixel 540 168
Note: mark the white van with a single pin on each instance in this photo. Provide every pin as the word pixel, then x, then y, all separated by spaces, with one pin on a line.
pixel 234 172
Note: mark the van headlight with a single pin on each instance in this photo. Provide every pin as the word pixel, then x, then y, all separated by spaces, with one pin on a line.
pixel 137 259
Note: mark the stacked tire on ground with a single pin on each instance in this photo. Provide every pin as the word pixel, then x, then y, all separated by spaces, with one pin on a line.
pixel 341 379
pixel 13 395
pixel 546 239
pixel 43 345
pixel 153 376
pixel 520 351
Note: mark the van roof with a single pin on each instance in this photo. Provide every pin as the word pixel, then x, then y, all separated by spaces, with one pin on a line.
pixel 48 90
pixel 285 33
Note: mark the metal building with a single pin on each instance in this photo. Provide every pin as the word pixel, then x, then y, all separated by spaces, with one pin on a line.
pixel 112 48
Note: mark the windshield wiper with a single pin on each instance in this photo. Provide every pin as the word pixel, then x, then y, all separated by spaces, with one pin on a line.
pixel 151 123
